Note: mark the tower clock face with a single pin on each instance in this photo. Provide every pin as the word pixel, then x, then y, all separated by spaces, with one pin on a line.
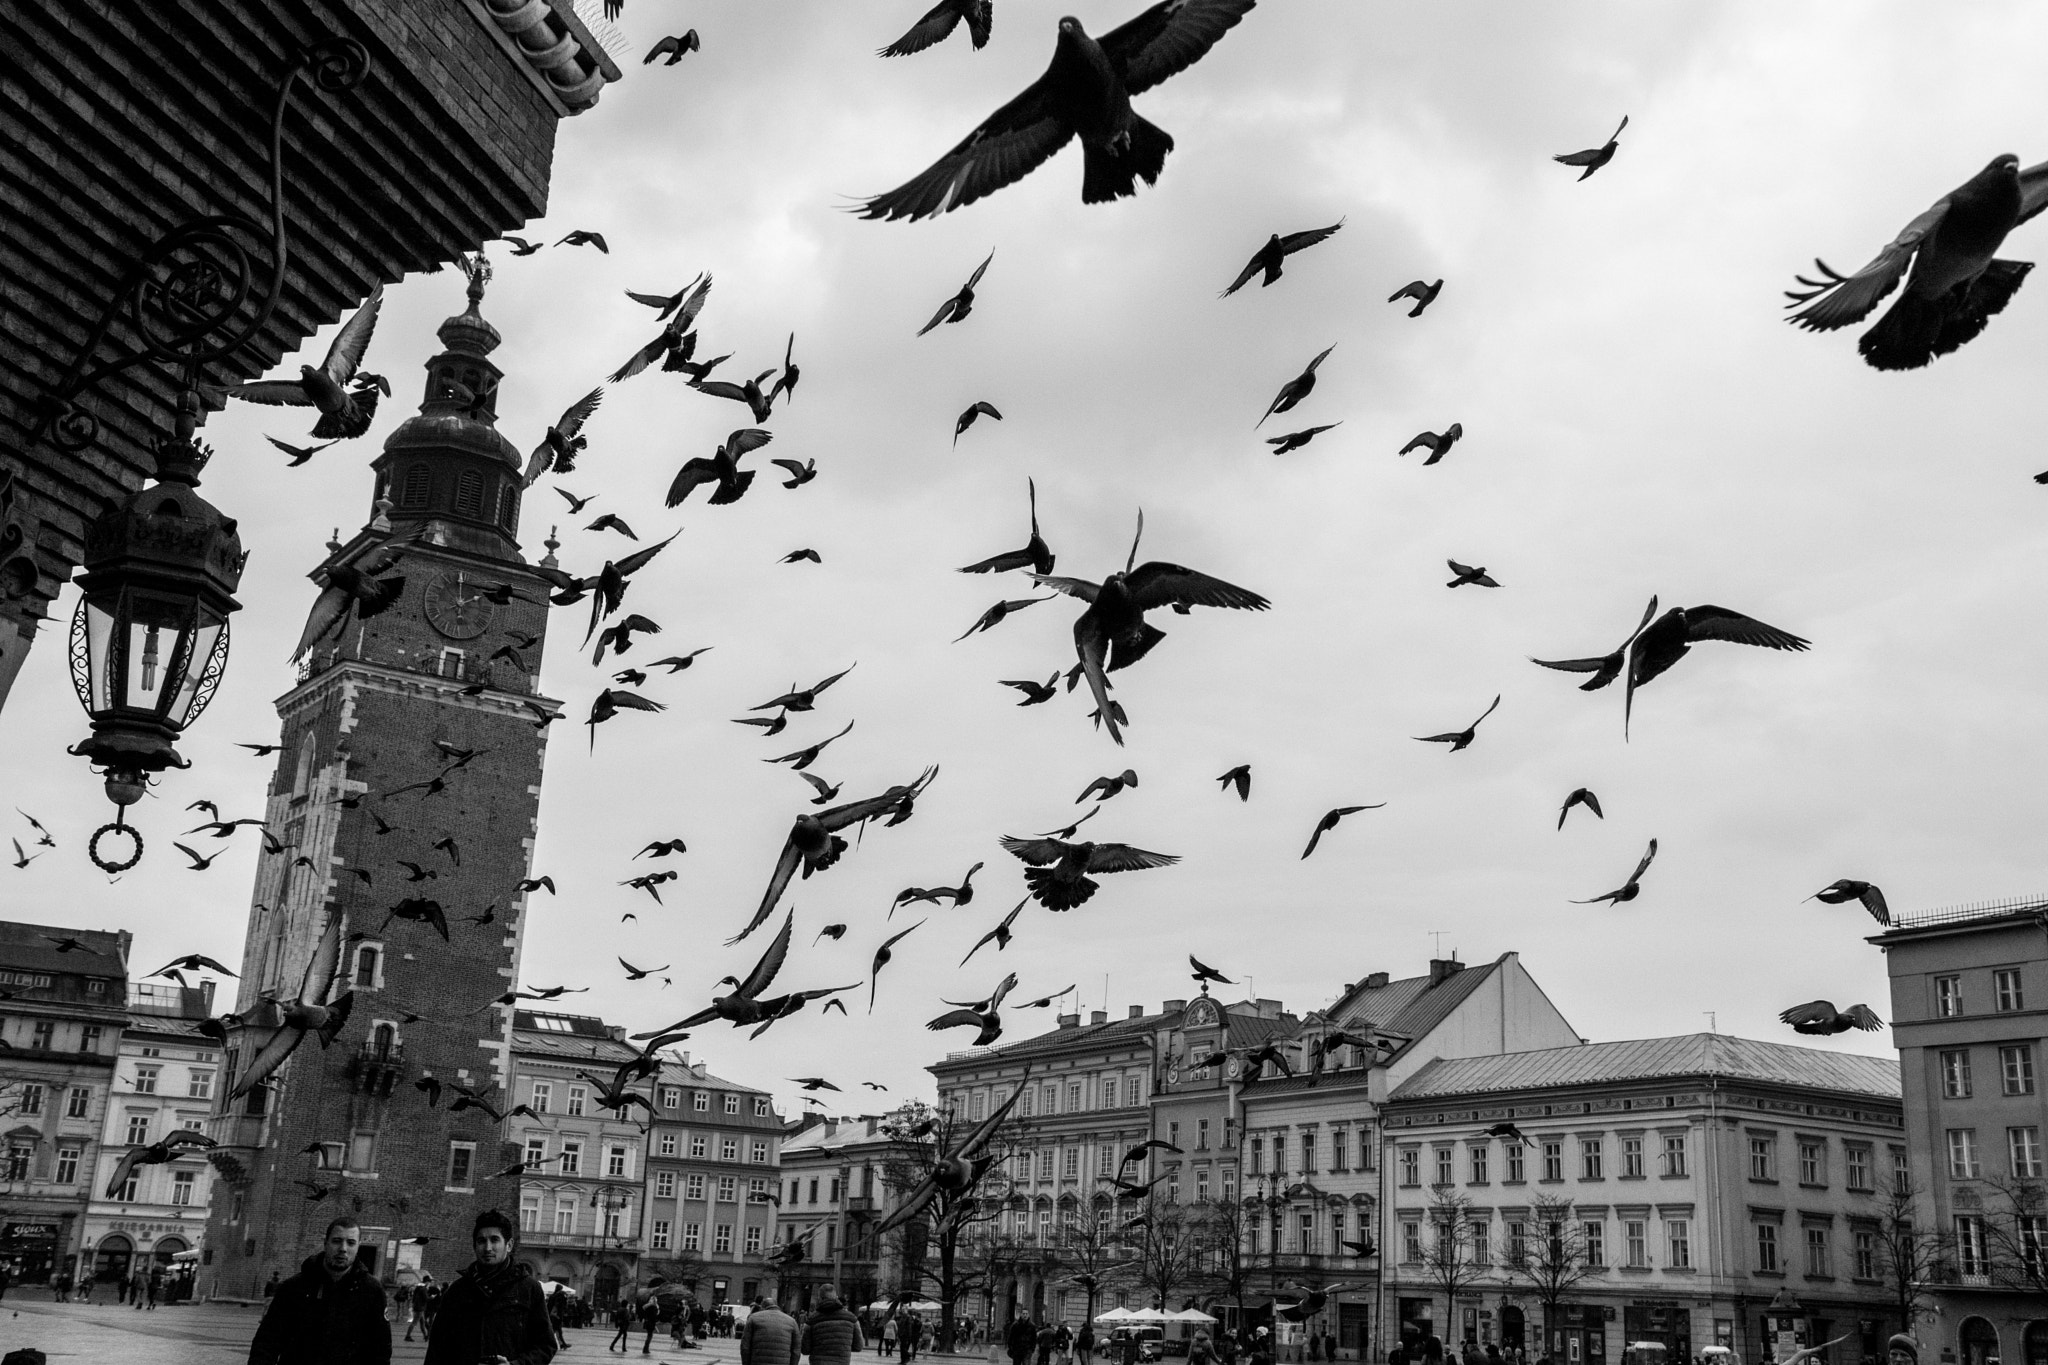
pixel 456 605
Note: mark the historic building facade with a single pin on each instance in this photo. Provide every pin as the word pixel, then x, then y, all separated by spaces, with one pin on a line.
pixel 62 1024
pixel 1665 1190
pixel 579 1196
pixel 1969 1013
pixel 404 743
pixel 712 1180
pixel 834 1177
pixel 166 1077
pixel 124 120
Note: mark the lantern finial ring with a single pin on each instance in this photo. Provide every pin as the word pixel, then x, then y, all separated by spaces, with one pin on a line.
pixel 115 826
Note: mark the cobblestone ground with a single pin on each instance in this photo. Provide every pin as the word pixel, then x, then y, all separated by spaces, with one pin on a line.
pixel 218 1334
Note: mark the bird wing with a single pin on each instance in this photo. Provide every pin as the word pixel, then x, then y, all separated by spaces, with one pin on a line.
pixel 889 802
pixel 1592 803
pixel 1847 299
pixel 347 351
pixel 938 22
pixel 793 466
pixel 1072 587
pixel 124 1168
pixel 1158 584
pixel 980 270
pixel 1719 623
pixel 1124 858
pixel 1812 1012
pixel 746 439
pixel 1010 143
pixel 633 701
pixel 764 971
pixel 321 968
pixel 1037 852
pixel 287 393
pixel 1251 268
pixel 1579 665
pixel 955 1019
pixel 1873 901
pixel 1649 855
pixel 2033 191
pixel 578 412
pixel 268 1058
pixel 638 560
pixel 778 881
pixel 1168 38
pixel 1863 1017
pixel 979 1138
pixel 1297 241
pixel 695 472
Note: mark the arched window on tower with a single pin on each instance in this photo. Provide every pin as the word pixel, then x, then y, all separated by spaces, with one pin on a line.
pixel 469 494
pixel 419 487
pixel 382 1039
pixel 302 776
pixel 369 972
pixel 508 508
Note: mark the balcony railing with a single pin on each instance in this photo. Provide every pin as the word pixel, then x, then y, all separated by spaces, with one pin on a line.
pixel 579 1241
pixel 1960 914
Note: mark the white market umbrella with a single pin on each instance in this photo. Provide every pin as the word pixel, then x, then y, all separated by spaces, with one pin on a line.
pixel 1190 1315
pixel 1148 1315
pixel 1115 1315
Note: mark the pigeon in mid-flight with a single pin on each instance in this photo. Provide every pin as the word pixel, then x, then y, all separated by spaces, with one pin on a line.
pixel 938 24
pixel 344 412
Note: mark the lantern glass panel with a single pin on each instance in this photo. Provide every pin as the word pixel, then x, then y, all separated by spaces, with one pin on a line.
pixel 188 703
pixel 99 634
pixel 151 656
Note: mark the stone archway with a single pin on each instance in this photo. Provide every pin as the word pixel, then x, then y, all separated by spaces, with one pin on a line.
pixel 607 1292
pixel 2034 1345
pixel 111 1262
pixel 166 1247
pixel 1978 1342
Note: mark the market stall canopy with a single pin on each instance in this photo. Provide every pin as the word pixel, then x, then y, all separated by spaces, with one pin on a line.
pixel 1189 1315
pixel 1147 1315
pixel 1115 1315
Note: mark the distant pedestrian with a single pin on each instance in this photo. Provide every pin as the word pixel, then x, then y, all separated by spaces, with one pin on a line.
pixel 492 1313
pixel 429 1305
pixel 154 1286
pixel 401 1305
pixel 650 1317
pixel 833 1336
pixel 331 1312
pixel 5 1280
pixel 1048 1342
pixel 558 1308
pixel 770 1336
pixel 622 1324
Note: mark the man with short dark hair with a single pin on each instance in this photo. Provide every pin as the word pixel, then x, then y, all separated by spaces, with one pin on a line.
pixel 330 1313
pixel 492 1315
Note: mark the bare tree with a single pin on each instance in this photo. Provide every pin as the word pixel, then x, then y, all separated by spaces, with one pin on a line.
pixel 1093 1251
pixel 676 1267
pixel 2015 1234
pixel 1447 1254
pixel 1550 1256
pixel 1169 1242
pixel 1909 1259
pixel 919 1138
pixel 1234 1257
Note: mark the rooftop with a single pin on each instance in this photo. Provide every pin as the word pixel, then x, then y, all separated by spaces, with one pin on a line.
pixel 571 1037
pixel 33 947
pixel 831 1135
pixel 1691 1054
pixel 1126 1032
pixel 2015 907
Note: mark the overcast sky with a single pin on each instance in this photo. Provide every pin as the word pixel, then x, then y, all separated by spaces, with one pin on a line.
pixel 1638 421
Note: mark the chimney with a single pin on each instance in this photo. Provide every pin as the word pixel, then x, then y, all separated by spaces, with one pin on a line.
pixel 1070 1021
pixel 1375 981
pixel 1137 1012
pixel 1098 1016
pixel 206 996
pixel 615 1032
pixel 1173 1006
pixel 1442 969
pixel 872 1122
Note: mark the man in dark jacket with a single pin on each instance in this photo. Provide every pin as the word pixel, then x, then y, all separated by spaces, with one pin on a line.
pixel 492 1315
pixel 1021 1339
pixel 833 1336
pixel 770 1337
pixel 330 1313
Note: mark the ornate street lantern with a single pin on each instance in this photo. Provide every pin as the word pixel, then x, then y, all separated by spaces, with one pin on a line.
pixel 150 638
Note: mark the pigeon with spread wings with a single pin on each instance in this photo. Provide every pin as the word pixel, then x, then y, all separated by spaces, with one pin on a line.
pixel 1605 668
pixel 956 1171
pixel 354 578
pixel 1849 889
pixel 721 468
pixel 1820 1017
pixel 1631 888
pixel 1957 283
pixel 1058 871
pixel 174 1144
pixel 1593 158
pixel 814 844
pixel 344 412
pixel 1036 554
pixel 563 441
pixel 311 1013
pixel 1672 636
pixel 1085 93
pixel 745 1005
pixel 1277 249
pixel 1113 633
pixel 939 22
pixel 956 308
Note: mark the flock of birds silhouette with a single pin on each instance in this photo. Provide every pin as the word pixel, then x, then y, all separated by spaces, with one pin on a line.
pixel 1953 282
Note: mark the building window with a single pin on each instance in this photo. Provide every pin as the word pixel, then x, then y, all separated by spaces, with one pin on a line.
pixel 615 1162
pixel 761 1107
pixel 753 1243
pixel 1308 1154
pixel 1817 1251
pixel 1109 1093
pixel 529 1213
pixel 1201 1135
pixel 138 1129
pixel 671 1097
pixel 89 1037
pixel 1515 1153
pixel 2005 990
pixel 732 1104
pixel 1070 1163
pixel 1482 1250
pixel 469 494
pixel 1518 1242
pixel 30 1099
pixel 543 1096
pixel 700 1101
pixel 1477 1155
pixel 536 1151
pixel 614 1222
pixel 1202 1186
pixel 125 1195
pixel 1969 1241
pixel 693 1187
pixel 1595 1238
pixel 565 1217
pixel 721 1242
pixel 1902 1172
pixel 664 1184
pixel 199 1084
pixel 79 1104
pixel 362 1151
pixel 1444 1160
pixel 1258 1159
pixel 1678 1244
pixel 1553 1161
pixel 1962 1154
pixel 1411 1164
pixel 145 1079
pixel 728 1149
pixel 1763 1158
pixel 1674 1154
pixel 1856 1167
pixel 67 1165
pixel 1767 1248
pixel 1340 1149
pixel 1812 1163
pixel 757 1152
pixel 1074 1098
pixel 44 1034
pixel 181 1187
pixel 572 1156
pixel 2023 1146
pixel 1635 1237
pixel 2016 1069
pixel 1866 1254
pixel 1411 1243
pixel 658 1237
pixel 666 1144
pixel 578 1097
pixel 693 1236
pixel 1023 1109
pixel 1632 1158
pixel 461 1165
pixel 728 1189
pixel 1948 996
pixel 700 1147
pixel 1590 1165
pixel 1955 1074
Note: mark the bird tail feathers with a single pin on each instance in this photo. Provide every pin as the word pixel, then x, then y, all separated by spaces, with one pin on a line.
pixel 1133 645
pixel 1112 171
pixel 1966 316
pixel 1058 895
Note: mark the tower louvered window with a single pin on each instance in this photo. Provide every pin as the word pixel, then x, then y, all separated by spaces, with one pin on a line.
pixel 469 494
pixel 419 486
pixel 508 507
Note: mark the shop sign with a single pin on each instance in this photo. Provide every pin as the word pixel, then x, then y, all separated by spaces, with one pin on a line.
pixel 29 1232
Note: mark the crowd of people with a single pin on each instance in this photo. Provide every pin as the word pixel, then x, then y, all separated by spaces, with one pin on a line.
pixel 144 1286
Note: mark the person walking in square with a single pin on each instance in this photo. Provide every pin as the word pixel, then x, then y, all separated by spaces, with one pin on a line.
pixel 401 1303
pixel 650 1316
pixel 770 1336
pixel 622 1325
pixel 330 1313
pixel 833 1336
pixel 492 1314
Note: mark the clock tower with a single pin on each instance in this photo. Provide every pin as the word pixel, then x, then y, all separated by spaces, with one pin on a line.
pixel 409 772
